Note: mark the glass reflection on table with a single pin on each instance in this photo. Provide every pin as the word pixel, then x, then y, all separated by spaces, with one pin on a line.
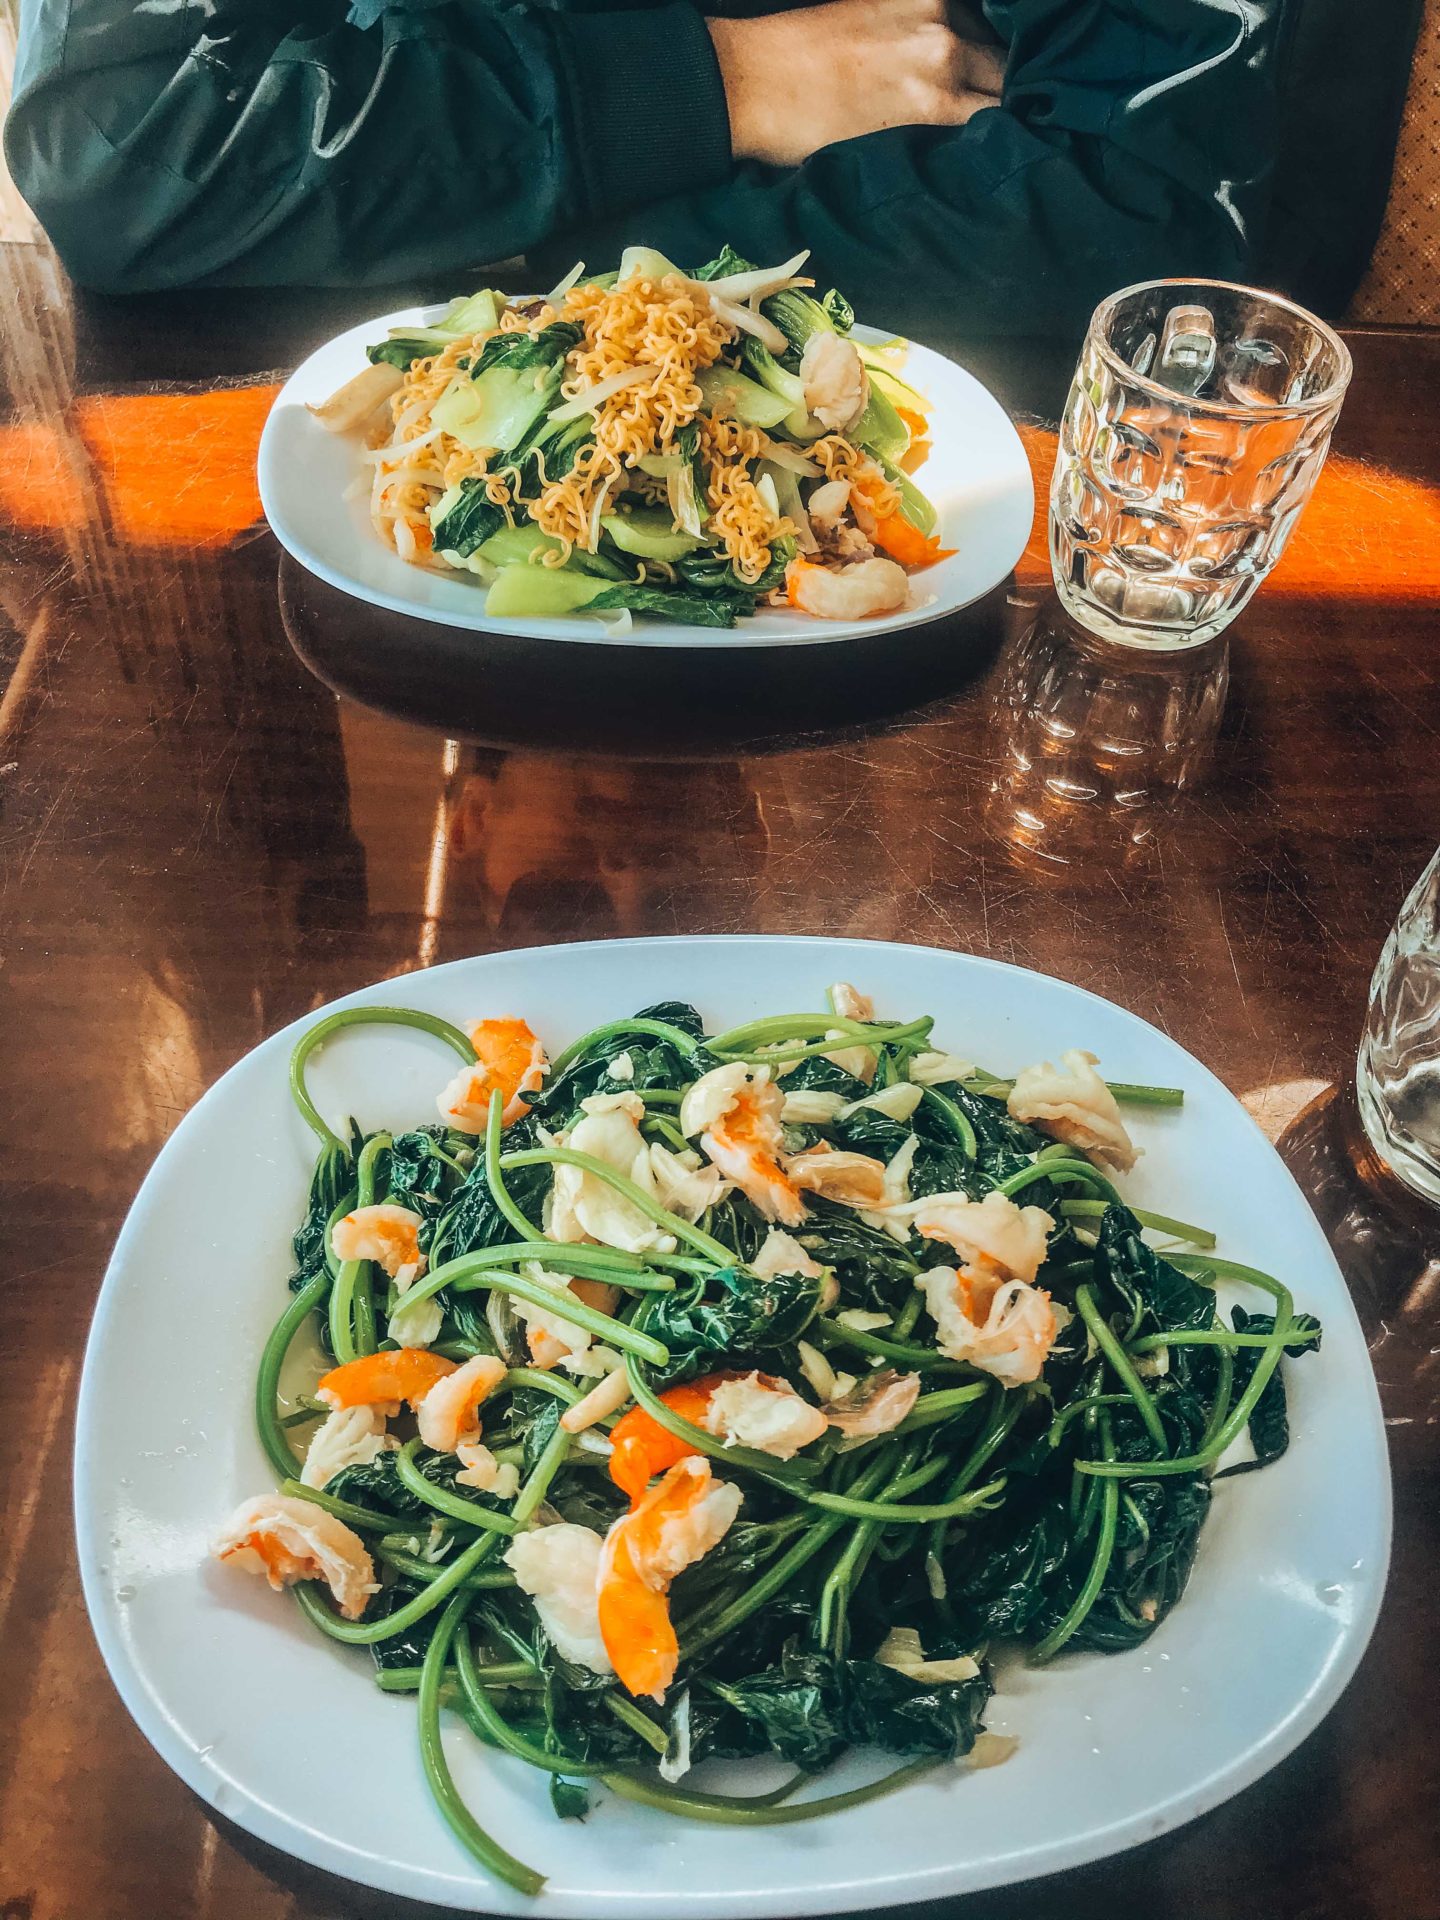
pixel 1093 739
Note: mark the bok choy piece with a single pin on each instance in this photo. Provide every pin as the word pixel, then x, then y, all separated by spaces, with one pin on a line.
pixel 513 384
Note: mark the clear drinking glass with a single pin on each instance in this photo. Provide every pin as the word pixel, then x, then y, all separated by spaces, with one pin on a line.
pixel 1397 1076
pixel 1199 418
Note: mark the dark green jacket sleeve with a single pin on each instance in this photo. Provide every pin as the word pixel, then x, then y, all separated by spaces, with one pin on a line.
pixel 260 142
pixel 1134 139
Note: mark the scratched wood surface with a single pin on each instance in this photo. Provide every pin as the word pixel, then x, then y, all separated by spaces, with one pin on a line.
pixel 201 841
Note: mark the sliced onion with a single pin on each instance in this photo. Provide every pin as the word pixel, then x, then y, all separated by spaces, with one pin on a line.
pixel 597 395
pixel 744 321
pixel 755 282
pixel 792 461
pixel 616 621
pixel 351 405
pixel 558 292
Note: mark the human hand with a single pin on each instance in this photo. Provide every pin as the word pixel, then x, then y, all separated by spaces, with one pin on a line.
pixel 799 81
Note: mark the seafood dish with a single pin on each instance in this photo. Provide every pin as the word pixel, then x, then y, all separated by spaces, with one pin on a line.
pixel 689 1395
pixel 690 446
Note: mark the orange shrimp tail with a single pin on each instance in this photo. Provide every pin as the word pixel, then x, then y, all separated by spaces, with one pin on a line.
pixel 407 1373
pixel 640 1447
pixel 895 535
pixel 794 578
pixel 636 1627
pixel 917 424
pixel 511 1056
pixel 281 1566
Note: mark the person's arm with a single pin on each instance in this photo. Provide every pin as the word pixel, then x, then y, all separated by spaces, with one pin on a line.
pixel 259 142
pixel 1134 140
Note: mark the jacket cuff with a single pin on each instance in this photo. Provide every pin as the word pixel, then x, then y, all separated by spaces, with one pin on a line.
pixel 647 104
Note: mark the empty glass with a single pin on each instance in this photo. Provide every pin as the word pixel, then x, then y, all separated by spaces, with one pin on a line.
pixel 1199 418
pixel 1397 1077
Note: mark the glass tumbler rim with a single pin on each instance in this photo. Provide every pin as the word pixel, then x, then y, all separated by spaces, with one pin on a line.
pixel 1097 333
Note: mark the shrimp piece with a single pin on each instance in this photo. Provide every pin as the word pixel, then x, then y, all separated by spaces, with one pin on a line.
pixel 481 1470
pixel 349 1437
pixel 837 387
pixel 740 1113
pixel 934 1069
pixel 390 1235
pixel 1073 1102
pixel 876 1404
pixel 640 1447
pixel 1002 1326
pixel 782 1253
pixel 508 1057
pixel 990 1313
pixel 853 1179
pixel 384 1379
pixel 993 1233
pixel 682 1184
pixel 859 1062
pixel 850 1003
pixel 676 1524
pixel 386 1234
pixel 757 1411
pixel 447 1413
pixel 287 1539
pixel 836 535
pixel 857 592
pixel 553 1340
pixel 559 1567
pixel 581 1205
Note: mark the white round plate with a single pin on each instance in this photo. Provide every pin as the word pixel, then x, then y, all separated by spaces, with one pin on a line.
pixel 977 476
pixel 284 1732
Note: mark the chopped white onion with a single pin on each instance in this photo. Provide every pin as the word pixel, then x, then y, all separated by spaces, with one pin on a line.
pixel 597 395
pixel 754 282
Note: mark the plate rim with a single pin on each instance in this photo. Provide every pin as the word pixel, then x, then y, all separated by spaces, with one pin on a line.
pixel 289 1834
pixel 660 635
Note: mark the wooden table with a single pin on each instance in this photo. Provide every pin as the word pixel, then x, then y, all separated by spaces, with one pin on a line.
pixel 200 842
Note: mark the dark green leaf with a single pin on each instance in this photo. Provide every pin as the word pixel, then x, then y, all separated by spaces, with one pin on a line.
pixel 569 1798
pixel 886 1708
pixel 874 1270
pixel 1269 1423
pixel 332 1180
pixel 471 1219
pixel 520 350
pixel 399 353
pixel 470 522
pixel 726 262
pixel 733 1313
pixel 685 609
pixel 798 1703
pixel 838 310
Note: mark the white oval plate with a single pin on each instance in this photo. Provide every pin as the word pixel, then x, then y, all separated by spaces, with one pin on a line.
pixel 283 1732
pixel 977 476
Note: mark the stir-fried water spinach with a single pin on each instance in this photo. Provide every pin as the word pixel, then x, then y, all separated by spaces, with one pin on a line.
pixel 868 1578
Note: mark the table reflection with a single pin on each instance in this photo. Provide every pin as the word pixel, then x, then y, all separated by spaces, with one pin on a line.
pixel 1093 740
